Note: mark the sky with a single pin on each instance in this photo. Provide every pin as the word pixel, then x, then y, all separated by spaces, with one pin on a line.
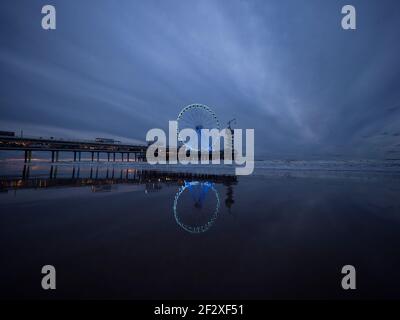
pixel 284 68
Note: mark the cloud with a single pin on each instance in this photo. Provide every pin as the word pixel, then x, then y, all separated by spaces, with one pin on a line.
pixel 287 70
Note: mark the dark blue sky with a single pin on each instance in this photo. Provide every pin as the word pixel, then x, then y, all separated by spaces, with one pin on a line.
pixel 285 68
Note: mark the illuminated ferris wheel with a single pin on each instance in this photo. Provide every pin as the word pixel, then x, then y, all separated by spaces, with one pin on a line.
pixel 197 117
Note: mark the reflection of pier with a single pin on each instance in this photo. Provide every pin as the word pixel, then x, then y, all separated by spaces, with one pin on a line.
pixel 77 176
pixel 128 152
pixel 199 200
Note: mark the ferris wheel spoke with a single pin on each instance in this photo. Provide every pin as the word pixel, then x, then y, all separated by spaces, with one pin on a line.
pixel 190 116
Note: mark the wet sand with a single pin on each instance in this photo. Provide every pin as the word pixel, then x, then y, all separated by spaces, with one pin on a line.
pixel 276 234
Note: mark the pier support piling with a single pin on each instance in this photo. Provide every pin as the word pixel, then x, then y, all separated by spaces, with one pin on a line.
pixel 28 156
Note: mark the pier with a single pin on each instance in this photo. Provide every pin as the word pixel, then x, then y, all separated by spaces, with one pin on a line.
pixel 128 152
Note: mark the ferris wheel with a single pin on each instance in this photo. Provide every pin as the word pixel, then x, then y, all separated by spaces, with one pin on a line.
pixel 197 117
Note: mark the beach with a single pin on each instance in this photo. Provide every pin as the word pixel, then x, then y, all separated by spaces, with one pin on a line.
pixel 125 231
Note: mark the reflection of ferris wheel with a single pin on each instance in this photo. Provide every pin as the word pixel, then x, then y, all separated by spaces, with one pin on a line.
pixel 193 210
pixel 197 117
